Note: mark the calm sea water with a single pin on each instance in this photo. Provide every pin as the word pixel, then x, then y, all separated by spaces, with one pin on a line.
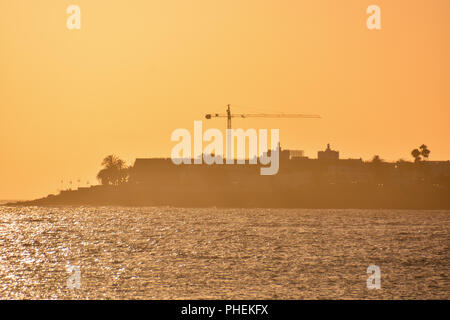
pixel 172 253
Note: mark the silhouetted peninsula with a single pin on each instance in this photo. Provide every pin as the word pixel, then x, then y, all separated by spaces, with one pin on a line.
pixel 325 182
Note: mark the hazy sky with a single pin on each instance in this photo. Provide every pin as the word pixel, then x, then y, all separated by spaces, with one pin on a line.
pixel 138 69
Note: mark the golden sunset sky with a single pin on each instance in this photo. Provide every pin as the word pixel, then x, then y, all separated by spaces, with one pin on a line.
pixel 138 69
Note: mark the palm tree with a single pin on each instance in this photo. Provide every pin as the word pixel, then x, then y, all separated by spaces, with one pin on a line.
pixel 424 151
pixel 113 161
pixel 114 172
pixel 416 154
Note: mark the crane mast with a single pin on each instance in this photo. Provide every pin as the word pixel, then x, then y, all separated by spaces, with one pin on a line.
pixel 228 117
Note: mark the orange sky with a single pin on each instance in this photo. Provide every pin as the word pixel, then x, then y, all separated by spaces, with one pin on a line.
pixel 139 69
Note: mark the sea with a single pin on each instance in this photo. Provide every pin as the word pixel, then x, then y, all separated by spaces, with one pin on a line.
pixel 216 253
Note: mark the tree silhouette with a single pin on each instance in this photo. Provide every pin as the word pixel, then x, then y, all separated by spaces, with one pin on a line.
pixel 378 169
pixel 114 172
pixel 377 160
pixel 424 151
pixel 416 154
pixel 421 153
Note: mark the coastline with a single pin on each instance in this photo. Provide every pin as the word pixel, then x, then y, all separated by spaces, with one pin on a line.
pixel 321 196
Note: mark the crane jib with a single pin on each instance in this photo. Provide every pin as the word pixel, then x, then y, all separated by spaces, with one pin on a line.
pixel 229 115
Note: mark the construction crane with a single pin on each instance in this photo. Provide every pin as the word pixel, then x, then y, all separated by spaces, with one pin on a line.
pixel 229 115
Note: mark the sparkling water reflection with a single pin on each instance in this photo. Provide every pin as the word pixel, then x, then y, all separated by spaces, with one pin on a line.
pixel 175 253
